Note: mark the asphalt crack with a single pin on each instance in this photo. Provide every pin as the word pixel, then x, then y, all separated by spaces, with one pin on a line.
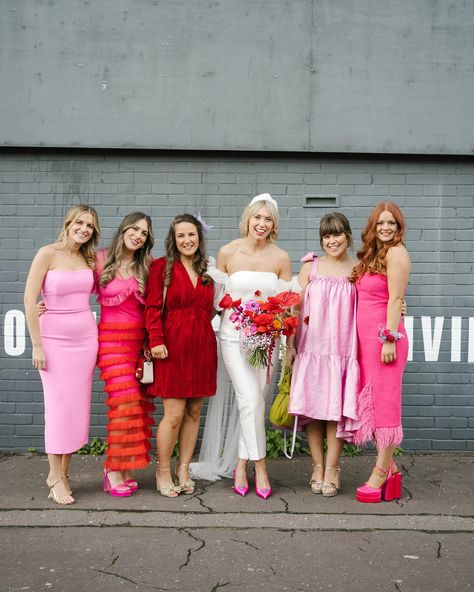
pixel 190 551
pixel 285 486
pixel 219 585
pixel 286 504
pixel 438 552
pixel 246 543
pixel 116 575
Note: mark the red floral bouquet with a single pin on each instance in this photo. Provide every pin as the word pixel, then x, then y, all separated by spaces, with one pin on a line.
pixel 261 323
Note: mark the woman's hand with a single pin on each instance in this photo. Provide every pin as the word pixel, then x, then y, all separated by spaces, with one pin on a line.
pixel 39 359
pixel 41 307
pixel 159 352
pixel 389 353
pixel 403 308
pixel 290 355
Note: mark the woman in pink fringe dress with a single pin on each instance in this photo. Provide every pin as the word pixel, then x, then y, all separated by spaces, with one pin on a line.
pixel 381 277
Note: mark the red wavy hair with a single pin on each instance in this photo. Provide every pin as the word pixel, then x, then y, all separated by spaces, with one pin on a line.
pixel 373 252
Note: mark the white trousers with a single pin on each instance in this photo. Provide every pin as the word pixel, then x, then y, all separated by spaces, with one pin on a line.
pixel 251 392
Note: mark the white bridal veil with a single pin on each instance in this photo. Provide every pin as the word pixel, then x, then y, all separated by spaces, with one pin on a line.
pixel 219 448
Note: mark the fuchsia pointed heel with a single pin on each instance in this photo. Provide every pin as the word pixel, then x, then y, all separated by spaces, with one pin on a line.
pixel 265 492
pixel 390 489
pixel 240 489
pixel 121 490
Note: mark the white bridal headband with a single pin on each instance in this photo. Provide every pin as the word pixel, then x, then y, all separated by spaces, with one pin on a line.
pixel 265 197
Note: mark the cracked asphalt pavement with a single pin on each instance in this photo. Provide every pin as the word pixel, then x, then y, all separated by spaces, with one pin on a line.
pixel 215 539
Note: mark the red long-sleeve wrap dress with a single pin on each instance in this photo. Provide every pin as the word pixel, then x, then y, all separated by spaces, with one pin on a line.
pixel 185 328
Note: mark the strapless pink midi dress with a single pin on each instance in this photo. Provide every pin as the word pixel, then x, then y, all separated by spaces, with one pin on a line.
pixel 69 336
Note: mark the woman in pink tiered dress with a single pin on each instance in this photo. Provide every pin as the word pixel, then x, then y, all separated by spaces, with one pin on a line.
pixel 325 376
pixel 381 277
pixel 122 272
pixel 64 340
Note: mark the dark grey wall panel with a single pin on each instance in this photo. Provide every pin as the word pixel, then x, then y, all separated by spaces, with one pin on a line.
pixel 437 197
pixel 393 76
pixel 301 75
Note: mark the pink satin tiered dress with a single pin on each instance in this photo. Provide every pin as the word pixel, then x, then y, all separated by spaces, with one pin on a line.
pixel 325 378
pixel 380 399
pixel 121 337
pixel 69 336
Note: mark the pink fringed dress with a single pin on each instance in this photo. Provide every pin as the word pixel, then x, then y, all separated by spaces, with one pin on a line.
pixel 380 400
pixel 324 383
pixel 121 337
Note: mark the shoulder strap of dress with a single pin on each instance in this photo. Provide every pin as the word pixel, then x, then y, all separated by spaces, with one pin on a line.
pixel 315 259
pixel 314 269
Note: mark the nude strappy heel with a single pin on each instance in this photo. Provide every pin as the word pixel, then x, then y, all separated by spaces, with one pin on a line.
pixel 189 486
pixel 330 488
pixel 316 484
pixel 166 490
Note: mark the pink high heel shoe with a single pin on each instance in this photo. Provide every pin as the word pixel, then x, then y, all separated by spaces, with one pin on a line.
pixel 240 489
pixel 121 490
pixel 265 492
pixel 390 489
pixel 131 484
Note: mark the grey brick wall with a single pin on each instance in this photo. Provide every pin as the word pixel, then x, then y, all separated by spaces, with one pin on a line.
pixel 37 187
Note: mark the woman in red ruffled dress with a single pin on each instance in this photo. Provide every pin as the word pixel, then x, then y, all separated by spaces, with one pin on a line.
pixel 122 272
pixel 179 310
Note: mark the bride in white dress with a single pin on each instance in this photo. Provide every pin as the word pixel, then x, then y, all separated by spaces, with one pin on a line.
pixel 247 268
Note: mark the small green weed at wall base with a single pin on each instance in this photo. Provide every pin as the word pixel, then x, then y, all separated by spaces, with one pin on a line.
pixel 275 445
pixel 96 448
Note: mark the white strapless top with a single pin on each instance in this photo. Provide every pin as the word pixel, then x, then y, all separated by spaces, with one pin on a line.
pixel 244 285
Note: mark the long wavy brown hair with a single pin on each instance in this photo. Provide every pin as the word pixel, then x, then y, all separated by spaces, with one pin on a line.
pixel 141 257
pixel 86 250
pixel 372 255
pixel 173 255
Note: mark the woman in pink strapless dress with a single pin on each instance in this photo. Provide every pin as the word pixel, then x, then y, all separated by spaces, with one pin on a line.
pixel 325 376
pixel 64 340
pixel 381 277
pixel 122 272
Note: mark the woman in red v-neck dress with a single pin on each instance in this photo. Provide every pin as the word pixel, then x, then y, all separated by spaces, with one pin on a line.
pixel 183 345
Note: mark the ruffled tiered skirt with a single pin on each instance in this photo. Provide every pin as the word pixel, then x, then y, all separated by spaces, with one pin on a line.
pixel 130 409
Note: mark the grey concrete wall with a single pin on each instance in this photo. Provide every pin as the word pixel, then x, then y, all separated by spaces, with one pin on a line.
pixel 302 75
pixel 436 195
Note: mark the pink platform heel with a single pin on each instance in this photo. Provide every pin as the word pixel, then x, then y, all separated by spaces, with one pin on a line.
pixel 265 492
pixel 390 489
pixel 240 489
pixel 121 490
pixel 131 484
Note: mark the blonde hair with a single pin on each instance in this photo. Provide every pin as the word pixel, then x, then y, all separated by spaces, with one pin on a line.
pixel 251 210
pixel 86 250
pixel 141 257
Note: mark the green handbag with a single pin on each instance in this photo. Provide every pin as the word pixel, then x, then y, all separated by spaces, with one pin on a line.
pixel 279 416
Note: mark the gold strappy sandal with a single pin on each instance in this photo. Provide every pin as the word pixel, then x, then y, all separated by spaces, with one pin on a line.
pixel 316 484
pixel 166 490
pixel 330 488
pixel 55 497
pixel 188 487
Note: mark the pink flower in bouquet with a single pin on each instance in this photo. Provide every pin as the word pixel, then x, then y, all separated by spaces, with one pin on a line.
pixel 248 330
